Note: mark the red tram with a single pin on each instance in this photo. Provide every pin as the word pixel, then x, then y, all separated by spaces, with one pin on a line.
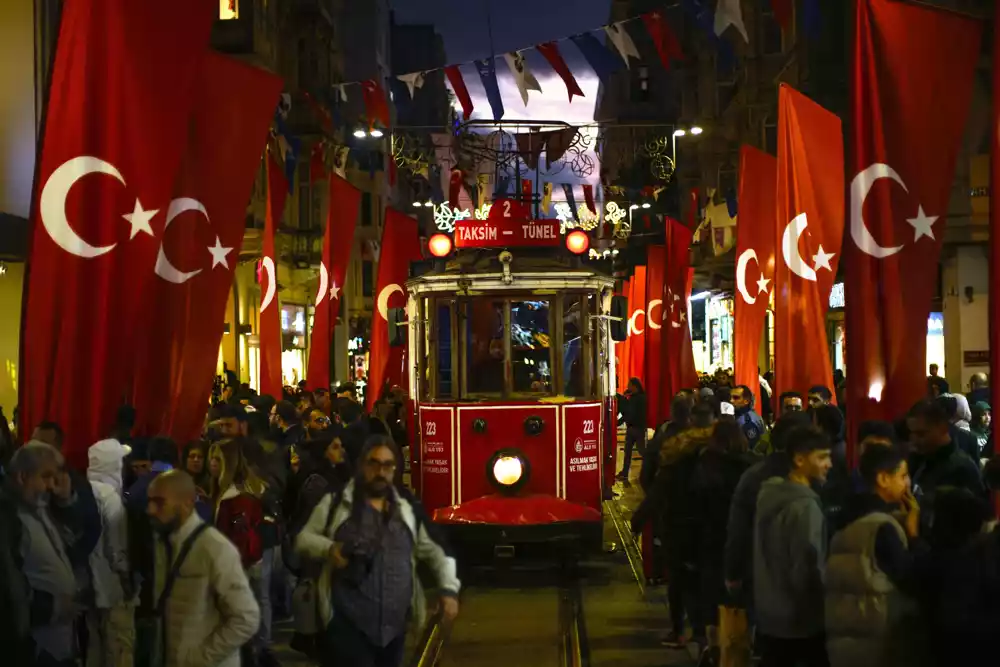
pixel 512 367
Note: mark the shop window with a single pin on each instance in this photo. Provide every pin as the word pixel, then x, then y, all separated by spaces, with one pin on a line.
pixel 229 9
pixel 367 277
pixel 640 84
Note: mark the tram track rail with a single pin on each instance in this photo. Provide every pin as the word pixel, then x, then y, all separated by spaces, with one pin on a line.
pixel 573 646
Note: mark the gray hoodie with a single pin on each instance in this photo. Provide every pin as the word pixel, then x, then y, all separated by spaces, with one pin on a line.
pixel 789 556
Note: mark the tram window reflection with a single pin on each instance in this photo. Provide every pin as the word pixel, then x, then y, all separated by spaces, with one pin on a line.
pixel 485 347
pixel 530 348
pixel 442 332
pixel 574 320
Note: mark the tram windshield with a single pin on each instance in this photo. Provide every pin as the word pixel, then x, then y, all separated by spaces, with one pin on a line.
pixel 497 348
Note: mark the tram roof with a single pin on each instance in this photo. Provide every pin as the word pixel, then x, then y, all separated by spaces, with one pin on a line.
pixel 525 265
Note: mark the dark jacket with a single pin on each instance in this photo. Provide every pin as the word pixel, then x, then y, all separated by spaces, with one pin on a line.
pixel 15 596
pixel 82 520
pixel 742 510
pixel 713 485
pixel 965 441
pixel 633 409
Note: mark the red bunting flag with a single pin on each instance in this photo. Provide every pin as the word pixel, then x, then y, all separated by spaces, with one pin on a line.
pixel 455 188
pixel 111 151
pixel 910 105
pixel 200 247
pixel 756 236
pixel 694 208
pixel 341 219
pixel 269 331
pixel 321 113
pixel 810 219
pixel 654 360
pixel 526 190
pixel 667 45
pixel 317 163
pixel 400 246
pixel 588 197
pixel 461 92
pixel 551 52
pixel 376 107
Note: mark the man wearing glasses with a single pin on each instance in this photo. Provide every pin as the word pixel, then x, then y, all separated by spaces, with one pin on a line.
pixel 370 538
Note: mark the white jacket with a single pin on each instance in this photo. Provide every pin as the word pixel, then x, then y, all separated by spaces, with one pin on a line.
pixel 211 612
pixel 109 560
pixel 315 540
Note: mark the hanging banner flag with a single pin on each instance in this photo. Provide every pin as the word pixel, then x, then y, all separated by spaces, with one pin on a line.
pixel 319 111
pixel 810 219
pixel 269 333
pixel 905 137
pixel 551 52
pixel 341 91
pixel 546 197
pixel 664 39
pixel 413 81
pixel 341 219
pixel 317 164
pixel 523 77
pixel 526 190
pixel 656 290
pixel 488 75
pixel 597 55
pixel 756 236
pixel 454 188
pixel 200 247
pixel 675 339
pixel 571 200
pixel 400 246
pixel 702 16
pixel 483 184
pixel 290 154
pixel 622 41
pixel 376 107
pixel 115 129
pixel 730 13
pixel 994 255
pixel 588 197
pixel 637 325
pixel 400 97
pixel 461 92
pixel 782 10
pixel 694 208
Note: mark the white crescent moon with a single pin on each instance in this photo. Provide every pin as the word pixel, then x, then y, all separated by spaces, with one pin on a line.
pixel 52 204
pixel 790 248
pixel 268 265
pixel 650 320
pixel 324 283
pixel 860 187
pixel 383 299
pixel 632 329
pixel 741 274
pixel 164 268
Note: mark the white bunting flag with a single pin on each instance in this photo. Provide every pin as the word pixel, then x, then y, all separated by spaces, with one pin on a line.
pixel 620 38
pixel 413 81
pixel 729 13
pixel 340 160
pixel 342 91
pixel 523 77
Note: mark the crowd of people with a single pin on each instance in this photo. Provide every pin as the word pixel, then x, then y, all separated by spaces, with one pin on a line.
pixel 163 555
pixel 893 562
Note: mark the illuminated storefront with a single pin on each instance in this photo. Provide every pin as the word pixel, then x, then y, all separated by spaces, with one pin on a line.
pixel 719 327
pixel 294 343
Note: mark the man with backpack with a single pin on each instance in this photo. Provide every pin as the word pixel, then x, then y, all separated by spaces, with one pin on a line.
pixel 204 604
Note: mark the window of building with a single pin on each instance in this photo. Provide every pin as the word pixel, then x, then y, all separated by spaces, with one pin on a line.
pixel 366 209
pixel 771 38
pixel 640 84
pixel 367 277
pixel 229 9
pixel 771 135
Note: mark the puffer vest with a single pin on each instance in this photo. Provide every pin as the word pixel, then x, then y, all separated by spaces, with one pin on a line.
pixel 865 613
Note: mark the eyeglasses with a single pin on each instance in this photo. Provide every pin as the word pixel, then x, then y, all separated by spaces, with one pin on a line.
pixel 384 466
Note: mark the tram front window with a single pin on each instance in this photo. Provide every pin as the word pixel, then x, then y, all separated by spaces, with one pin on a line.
pixel 574 320
pixel 530 348
pixel 485 347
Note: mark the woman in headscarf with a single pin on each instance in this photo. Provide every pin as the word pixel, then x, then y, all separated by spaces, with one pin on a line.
pixel 982 419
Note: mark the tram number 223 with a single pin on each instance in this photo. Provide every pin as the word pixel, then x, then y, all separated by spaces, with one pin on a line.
pixel 430 428
pixel 588 426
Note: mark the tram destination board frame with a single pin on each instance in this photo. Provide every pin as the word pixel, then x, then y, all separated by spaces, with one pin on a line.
pixel 509 225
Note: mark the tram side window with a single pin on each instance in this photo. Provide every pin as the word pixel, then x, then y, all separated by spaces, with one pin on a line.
pixel 484 347
pixel 443 333
pixel 530 347
pixel 574 323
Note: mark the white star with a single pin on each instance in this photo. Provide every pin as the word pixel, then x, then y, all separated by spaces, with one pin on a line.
pixel 139 219
pixel 822 259
pixel 334 292
pixel 922 224
pixel 762 284
pixel 219 253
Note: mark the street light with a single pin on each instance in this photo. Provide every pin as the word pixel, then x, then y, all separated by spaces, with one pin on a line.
pixel 376 133
pixel 360 134
pixel 679 132
pixel 646 204
pixel 696 130
pixel 633 207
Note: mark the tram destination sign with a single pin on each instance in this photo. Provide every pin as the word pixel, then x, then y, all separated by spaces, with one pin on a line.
pixel 509 225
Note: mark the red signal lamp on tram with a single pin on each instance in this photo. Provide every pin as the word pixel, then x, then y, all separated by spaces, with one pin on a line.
pixel 577 242
pixel 440 245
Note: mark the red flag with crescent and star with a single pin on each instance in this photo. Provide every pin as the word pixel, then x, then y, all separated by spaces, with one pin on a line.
pixel 810 219
pixel 113 140
pixel 910 105
pixel 200 247
pixel 677 353
pixel 269 329
pixel 655 293
pixel 400 246
pixel 637 326
pixel 756 236
pixel 338 240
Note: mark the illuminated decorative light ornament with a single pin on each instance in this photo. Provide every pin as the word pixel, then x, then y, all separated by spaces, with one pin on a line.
pixel 564 214
pixel 445 216
pixel 618 217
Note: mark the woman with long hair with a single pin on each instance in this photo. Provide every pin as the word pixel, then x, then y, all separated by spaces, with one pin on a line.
pixel 194 461
pixel 632 406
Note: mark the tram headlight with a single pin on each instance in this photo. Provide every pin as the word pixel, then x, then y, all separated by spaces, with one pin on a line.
pixel 508 470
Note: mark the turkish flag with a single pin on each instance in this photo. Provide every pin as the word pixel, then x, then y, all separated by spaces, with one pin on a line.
pixel 113 140
pixel 810 218
pixel 623 348
pixel 200 247
pixel 655 293
pixel 909 110
pixel 400 246
pixel 269 329
pixel 341 218
pixel 637 325
pixel 679 371
pixel 994 304
pixel 755 242
pixel 376 108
